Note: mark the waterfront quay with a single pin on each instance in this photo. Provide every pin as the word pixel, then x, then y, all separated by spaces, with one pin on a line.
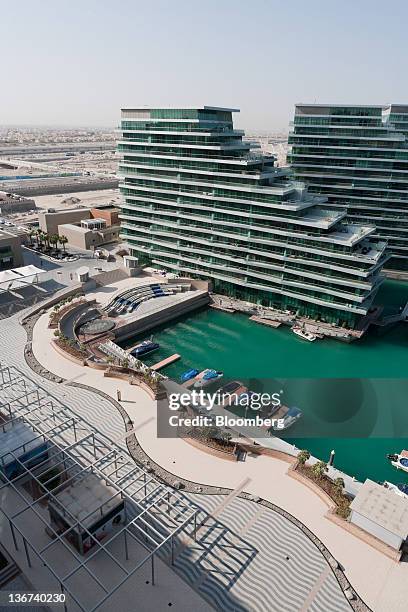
pixel 274 318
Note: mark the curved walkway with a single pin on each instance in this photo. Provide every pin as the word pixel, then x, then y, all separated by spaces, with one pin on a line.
pixel 247 558
pixel 381 582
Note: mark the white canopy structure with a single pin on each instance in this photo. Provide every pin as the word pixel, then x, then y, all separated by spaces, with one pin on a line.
pixel 19 277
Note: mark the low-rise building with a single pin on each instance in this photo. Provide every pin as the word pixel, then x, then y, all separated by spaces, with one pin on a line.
pixel 109 212
pixel 50 220
pixel 382 513
pixel 81 237
pixel 11 203
pixel 11 255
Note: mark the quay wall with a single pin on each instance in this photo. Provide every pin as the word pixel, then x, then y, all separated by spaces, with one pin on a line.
pixel 157 317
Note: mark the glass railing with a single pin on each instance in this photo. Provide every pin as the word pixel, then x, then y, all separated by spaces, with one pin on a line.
pixel 191 155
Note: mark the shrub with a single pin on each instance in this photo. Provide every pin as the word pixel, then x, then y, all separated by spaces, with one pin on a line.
pixel 339 483
pixel 303 456
pixel 319 469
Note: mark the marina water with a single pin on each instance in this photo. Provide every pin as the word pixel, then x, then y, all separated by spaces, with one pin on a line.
pixel 353 396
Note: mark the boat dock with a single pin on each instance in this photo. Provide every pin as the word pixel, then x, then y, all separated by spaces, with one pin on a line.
pixel 165 362
pixel 268 322
pixel 190 383
pixel 223 308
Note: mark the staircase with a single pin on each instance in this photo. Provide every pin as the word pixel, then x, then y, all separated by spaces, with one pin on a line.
pixel 395 318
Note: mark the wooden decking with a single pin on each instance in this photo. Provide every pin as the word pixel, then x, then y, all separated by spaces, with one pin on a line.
pixel 165 362
pixel 269 322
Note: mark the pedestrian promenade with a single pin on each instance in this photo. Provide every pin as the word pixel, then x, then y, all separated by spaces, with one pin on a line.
pixel 381 582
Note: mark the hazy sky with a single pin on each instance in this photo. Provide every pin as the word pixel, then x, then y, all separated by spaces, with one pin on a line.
pixel 78 61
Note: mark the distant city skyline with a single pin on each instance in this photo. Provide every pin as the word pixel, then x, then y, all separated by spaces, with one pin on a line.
pixel 77 67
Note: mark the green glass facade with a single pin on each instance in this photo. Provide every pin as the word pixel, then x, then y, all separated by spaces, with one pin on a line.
pixel 357 156
pixel 197 201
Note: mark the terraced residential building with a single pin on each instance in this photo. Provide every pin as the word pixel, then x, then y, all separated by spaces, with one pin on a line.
pixel 357 156
pixel 198 202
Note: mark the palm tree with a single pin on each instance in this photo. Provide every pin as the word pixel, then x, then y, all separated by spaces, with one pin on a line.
pixel 339 483
pixel 53 239
pixel 31 234
pixel 319 469
pixel 46 238
pixel 303 456
pixel 226 436
pixel 209 432
pixel 63 240
pixel 40 237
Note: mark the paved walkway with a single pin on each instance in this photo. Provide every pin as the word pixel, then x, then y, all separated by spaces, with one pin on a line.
pixel 381 582
pixel 241 559
pixel 238 559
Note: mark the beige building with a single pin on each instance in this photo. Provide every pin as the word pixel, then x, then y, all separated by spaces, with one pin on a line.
pixel 11 255
pixel 87 238
pixel 51 219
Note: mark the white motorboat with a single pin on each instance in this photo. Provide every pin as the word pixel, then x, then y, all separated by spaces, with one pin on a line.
pixel 401 489
pixel 400 461
pixel 302 333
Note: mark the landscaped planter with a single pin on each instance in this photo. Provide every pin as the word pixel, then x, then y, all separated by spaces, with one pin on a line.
pixel 324 487
pixel 210 450
pixel 64 351
pixel 132 377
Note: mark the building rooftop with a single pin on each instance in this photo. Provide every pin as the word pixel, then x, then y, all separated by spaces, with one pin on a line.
pixel 66 211
pixel 338 105
pixel 73 226
pixel 383 507
pixel 215 108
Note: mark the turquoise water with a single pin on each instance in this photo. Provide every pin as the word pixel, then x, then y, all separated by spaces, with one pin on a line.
pixel 362 414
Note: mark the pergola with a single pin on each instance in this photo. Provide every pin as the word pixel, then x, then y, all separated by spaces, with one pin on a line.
pixel 155 514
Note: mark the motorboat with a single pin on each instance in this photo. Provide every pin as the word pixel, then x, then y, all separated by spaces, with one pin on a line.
pixel 206 377
pixel 400 489
pixel 302 333
pixel 400 461
pixel 144 348
pixel 210 374
pixel 188 375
